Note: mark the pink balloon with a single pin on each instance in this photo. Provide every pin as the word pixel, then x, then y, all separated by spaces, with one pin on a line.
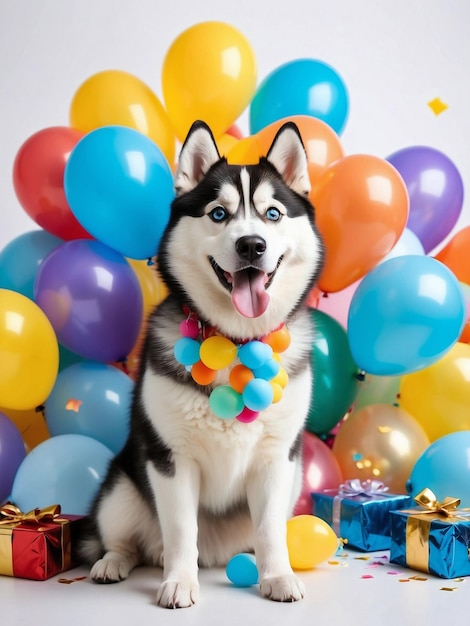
pixel 337 304
pixel 321 471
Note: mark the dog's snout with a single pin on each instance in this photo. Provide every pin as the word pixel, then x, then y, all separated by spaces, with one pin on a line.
pixel 251 247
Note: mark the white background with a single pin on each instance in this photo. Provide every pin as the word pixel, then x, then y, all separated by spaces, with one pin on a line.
pixel 394 56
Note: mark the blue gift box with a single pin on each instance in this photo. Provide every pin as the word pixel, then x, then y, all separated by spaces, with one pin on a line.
pixel 359 512
pixel 433 539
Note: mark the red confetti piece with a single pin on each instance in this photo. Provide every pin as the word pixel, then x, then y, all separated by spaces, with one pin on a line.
pixel 393 573
pixel 366 576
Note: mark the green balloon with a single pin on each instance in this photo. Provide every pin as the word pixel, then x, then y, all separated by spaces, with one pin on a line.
pixel 335 375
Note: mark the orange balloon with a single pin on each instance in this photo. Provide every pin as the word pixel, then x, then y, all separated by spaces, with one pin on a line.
pixel 225 143
pixel 31 424
pixel 362 207
pixel 322 144
pixel 456 255
pixel 246 151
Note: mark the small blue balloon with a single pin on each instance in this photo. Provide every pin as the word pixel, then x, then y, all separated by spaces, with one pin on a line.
pixel 186 351
pixel 120 187
pixel 254 354
pixel 268 370
pixel 258 394
pixel 301 87
pixel 444 467
pixel 65 470
pixel 20 260
pixel 91 399
pixel 242 571
pixel 225 402
pixel 405 315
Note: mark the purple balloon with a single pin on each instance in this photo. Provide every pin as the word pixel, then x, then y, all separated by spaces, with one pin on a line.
pixel 435 189
pixel 12 453
pixel 92 298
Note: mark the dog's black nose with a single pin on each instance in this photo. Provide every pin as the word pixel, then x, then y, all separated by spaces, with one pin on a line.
pixel 251 247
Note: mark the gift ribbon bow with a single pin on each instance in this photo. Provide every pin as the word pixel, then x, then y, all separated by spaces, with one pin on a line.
pixel 428 500
pixel 356 487
pixel 11 514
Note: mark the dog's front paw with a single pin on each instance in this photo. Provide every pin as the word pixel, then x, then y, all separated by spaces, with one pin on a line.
pixel 110 570
pixel 178 594
pixel 287 588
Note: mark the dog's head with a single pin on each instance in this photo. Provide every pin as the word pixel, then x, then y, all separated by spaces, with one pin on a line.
pixel 241 246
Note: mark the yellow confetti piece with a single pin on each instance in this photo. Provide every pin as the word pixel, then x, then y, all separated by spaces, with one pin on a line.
pixel 73 405
pixel 448 589
pixel 384 429
pixel 459 580
pixel 437 106
pixel 333 562
pixel 403 580
pixel 361 558
pixel 419 578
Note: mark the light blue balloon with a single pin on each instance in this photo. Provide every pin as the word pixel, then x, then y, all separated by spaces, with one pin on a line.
pixel 408 243
pixel 301 87
pixel 258 394
pixel 20 260
pixel 242 570
pixel 405 315
pixel 91 399
pixel 444 467
pixel 65 470
pixel 120 188
pixel 186 351
pixel 254 354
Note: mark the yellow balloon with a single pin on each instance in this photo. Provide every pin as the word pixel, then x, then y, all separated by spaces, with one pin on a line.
pixel 380 442
pixel 114 97
pixel 29 352
pixel 225 143
pixel 438 397
pixel 217 352
pixel 153 288
pixel 247 151
pixel 31 424
pixel 310 541
pixel 208 73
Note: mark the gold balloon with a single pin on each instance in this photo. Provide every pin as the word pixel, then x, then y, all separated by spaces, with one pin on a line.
pixel 31 424
pixel 380 442
pixel 438 397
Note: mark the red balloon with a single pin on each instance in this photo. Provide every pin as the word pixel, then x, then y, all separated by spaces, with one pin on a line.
pixel 321 471
pixel 38 174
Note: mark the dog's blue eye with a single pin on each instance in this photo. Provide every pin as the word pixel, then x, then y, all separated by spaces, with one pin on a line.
pixel 273 214
pixel 218 214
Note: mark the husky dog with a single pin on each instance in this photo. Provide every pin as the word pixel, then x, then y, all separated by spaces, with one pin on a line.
pixel 239 254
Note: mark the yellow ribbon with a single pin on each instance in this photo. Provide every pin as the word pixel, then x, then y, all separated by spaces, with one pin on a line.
pixel 418 525
pixel 11 514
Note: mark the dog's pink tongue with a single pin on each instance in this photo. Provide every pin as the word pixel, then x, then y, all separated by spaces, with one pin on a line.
pixel 249 296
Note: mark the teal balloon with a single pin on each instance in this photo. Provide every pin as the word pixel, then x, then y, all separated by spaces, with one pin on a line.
pixel 405 315
pixel 225 402
pixel 301 87
pixel 335 375
pixel 120 188
pixel 92 399
pixel 377 390
pixel 444 467
pixel 20 260
pixel 66 470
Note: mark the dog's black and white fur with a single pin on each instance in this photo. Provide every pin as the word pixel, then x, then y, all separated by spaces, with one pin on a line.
pixel 241 250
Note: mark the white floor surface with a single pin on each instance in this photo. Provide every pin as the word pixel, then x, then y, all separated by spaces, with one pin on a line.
pixel 346 590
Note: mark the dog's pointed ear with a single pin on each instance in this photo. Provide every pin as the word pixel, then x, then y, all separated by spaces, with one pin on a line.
pixel 287 154
pixel 198 154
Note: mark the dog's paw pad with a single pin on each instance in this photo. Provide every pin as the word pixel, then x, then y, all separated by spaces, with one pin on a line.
pixel 174 594
pixel 108 571
pixel 283 588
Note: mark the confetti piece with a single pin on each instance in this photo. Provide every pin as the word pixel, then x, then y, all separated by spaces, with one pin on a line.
pixel 403 580
pixel 73 405
pixel 437 106
pixel 333 562
pixel 361 558
pixel 357 456
pixel 392 573
pixel 459 580
pixel 419 578
pixel 384 429
pixel 69 581
pixel 448 589
pixel 366 576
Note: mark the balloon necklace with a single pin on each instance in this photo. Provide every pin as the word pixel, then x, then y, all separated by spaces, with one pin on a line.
pixel 255 382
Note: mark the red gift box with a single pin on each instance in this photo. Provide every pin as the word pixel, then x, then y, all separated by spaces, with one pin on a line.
pixel 38 544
